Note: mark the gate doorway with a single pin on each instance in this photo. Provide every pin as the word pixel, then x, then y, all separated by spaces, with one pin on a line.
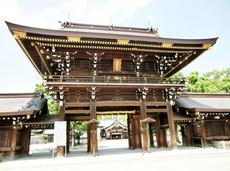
pixel 112 133
pixel 78 137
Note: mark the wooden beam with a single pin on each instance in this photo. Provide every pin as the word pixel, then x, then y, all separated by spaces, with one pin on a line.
pixel 39 123
pixel 69 111
pixel 156 104
pixel 9 127
pixel 5 149
pixel 78 117
pixel 119 85
pixel 43 60
pixel 117 103
pixel 120 112
pixel 16 113
pixel 156 110
pixel 77 104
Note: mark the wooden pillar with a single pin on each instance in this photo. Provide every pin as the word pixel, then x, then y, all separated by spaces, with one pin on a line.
pixel 184 135
pixel 189 134
pixel 171 127
pixel 13 143
pixel 226 127
pixel 144 128
pixel 203 134
pixel 158 132
pixel 25 141
pixel 61 149
pixel 151 140
pixel 129 132
pixel 164 137
pixel 88 138
pixel 61 116
pixel 132 132
pixel 137 132
pixel 68 136
pixel 93 131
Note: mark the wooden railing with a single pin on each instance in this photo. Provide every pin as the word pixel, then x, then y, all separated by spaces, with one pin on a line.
pixel 105 79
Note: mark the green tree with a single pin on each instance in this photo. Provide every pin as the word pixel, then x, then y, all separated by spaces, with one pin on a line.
pixel 52 104
pixel 176 78
pixel 79 128
pixel 217 81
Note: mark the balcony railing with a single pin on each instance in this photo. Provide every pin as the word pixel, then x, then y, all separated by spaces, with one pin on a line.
pixel 106 79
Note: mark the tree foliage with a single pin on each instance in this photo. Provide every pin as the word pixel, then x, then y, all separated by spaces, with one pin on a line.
pixel 52 104
pixel 176 78
pixel 217 81
pixel 79 128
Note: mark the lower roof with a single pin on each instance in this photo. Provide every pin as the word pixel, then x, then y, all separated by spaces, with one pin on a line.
pixel 205 102
pixel 21 102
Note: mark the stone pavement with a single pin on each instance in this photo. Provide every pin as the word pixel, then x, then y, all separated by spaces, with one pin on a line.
pixel 117 158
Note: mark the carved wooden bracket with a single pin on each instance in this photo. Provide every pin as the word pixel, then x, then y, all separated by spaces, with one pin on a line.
pixel 143 93
pixel 138 60
pixel 95 58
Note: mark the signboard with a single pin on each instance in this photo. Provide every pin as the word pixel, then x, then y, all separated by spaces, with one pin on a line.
pixel 60 133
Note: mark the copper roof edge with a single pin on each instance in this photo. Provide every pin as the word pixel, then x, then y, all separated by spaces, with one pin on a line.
pixel 61 32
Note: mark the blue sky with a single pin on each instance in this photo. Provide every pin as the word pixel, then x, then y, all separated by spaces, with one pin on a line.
pixel 173 18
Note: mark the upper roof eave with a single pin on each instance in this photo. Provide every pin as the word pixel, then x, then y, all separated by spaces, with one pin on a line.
pixel 106 35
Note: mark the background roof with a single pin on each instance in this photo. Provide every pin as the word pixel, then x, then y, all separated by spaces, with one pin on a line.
pixel 204 101
pixel 21 102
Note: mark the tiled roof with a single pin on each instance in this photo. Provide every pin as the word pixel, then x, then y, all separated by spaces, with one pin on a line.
pixel 21 102
pixel 204 101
